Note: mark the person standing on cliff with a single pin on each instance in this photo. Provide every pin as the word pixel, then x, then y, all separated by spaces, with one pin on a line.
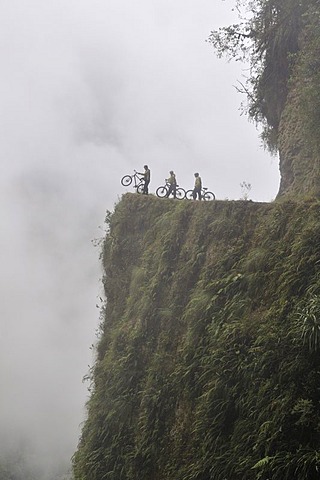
pixel 146 178
pixel 197 187
pixel 172 184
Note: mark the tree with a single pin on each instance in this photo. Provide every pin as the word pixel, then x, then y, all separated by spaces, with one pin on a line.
pixel 268 38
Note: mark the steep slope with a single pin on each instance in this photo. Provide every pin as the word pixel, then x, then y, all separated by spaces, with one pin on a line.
pixel 208 360
pixel 299 141
pixel 281 41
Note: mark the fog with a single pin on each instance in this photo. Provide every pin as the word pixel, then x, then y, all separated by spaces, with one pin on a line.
pixel 90 91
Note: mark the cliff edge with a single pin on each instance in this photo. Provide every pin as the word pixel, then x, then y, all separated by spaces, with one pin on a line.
pixel 208 360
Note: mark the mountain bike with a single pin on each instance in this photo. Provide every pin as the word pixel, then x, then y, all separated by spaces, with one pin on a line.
pixel 136 179
pixel 162 191
pixel 205 195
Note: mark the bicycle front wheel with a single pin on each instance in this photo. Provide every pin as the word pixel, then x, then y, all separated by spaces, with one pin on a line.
pixel 208 196
pixel 189 195
pixel 140 188
pixel 126 180
pixel 161 192
pixel 180 193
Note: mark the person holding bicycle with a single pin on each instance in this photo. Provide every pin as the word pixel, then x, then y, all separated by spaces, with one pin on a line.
pixel 172 181
pixel 197 187
pixel 146 178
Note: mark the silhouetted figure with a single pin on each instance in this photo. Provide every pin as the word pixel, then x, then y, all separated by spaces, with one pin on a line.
pixel 197 187
pixel 146 178
pixel 172 184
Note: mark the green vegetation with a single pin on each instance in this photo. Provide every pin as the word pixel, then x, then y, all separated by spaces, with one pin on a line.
pixel 269 39
pixel 281 41
pixel 208 362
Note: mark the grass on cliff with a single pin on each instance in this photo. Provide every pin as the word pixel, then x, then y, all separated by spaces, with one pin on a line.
pixel 208 362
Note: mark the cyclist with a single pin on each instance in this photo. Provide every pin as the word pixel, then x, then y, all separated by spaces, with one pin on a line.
pixel 172 181
pixel 146 178
pixel 197 187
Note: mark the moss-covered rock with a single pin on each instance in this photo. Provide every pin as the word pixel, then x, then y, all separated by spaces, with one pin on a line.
pixel 208 363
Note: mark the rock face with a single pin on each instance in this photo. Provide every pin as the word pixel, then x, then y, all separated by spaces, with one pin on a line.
pixel 208 360
pixel 281 42
pixel 299 139
pixel 298 151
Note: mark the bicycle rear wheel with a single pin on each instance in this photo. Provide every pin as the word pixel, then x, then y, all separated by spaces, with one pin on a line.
pixel 208 196
pixel 189 195
pixel 161 191
pixel 126 180
pixel 140 187
pixel 180 193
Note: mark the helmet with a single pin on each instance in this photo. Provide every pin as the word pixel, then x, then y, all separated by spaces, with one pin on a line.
pixel 171 172
pixel 145 166
pixel 196 174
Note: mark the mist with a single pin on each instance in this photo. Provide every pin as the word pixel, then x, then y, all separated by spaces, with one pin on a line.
pixel 90 91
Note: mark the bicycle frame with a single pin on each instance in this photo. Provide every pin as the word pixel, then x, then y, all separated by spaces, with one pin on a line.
pixel 137 180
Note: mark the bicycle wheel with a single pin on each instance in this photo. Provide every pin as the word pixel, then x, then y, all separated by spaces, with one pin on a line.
pixel 161 191
pixel 208 196
pixel 126 180
pixel 180 193
pixel 140 187
pixel 189 195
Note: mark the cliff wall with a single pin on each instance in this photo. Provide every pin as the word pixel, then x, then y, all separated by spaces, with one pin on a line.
pixel 299 141
pixel 208 360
